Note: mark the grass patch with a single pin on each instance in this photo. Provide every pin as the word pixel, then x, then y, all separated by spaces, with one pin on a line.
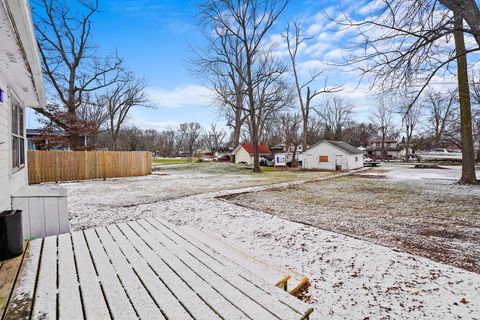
pixel 170 161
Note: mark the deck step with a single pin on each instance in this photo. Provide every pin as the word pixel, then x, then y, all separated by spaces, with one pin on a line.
pixel 282 277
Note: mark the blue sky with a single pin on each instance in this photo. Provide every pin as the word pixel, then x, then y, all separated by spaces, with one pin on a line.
pixel 155 38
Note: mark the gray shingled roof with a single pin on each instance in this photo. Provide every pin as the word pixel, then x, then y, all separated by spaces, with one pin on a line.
pixel 342 145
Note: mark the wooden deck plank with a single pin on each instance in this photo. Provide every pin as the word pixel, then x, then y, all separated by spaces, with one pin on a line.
pixel 21 301
pixel 164 298
pixel 94 304
pixel 230 274
pixel 45 303
pixel 283 296
pixel 8 274
pixel 117 299
pixel 163 245
pixel 69 300
pixel 190 300
pixel 138 294
pixel 145 242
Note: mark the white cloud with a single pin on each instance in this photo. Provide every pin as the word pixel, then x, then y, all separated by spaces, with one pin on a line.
pixel 145 123
pixel 179 97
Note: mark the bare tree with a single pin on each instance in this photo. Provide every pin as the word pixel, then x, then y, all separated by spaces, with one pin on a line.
pixel 411 115
pixel 190 133
pixel 222 65
pixel 335 114
pixel 166 143
pixel 291 124
pixel 271 92
pixel 91 111
pixel 406 43
pixel 358 134
pixel 272 131
pixel 442 112
pixel 382 118
pixel 214 138
pixel 466 130
pixel 305 94
pixel 248 22
pixel 71 65
pixel 126 94
pixel 475 90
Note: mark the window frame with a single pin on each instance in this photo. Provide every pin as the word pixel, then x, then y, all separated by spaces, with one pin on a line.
pixel 323 159
pixel 18 136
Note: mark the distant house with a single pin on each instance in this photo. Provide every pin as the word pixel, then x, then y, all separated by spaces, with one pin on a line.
pixel 333 156
pixel 21 86
pixel 244 153
pixel 55 140
pixel 393 149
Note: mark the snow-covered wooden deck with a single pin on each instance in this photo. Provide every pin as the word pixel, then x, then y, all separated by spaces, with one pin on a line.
pixel 146 269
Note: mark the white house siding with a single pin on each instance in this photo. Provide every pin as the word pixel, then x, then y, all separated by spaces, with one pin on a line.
pixel 241 155
pixel 10 181
pixel 20 77
pixel 355 161
pixel 312 158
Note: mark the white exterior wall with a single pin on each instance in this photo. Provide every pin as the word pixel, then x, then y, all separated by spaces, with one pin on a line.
pixel 355 161
pixel 311 158
pixel 10 181
pixel 241 155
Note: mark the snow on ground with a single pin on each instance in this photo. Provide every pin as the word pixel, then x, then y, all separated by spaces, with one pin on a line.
pixel 434 218
pixel 351 278
pixel 97 202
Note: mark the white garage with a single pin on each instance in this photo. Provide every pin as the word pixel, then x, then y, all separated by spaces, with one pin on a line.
pixel 333 156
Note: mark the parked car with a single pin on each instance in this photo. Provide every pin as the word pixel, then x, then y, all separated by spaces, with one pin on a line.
pixel 224 158
pixel 267 161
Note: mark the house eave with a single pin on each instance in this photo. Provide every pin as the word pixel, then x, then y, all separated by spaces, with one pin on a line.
pixel 22 46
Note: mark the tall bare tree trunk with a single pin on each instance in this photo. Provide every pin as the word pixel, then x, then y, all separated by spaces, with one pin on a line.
pixel 382 147
pixel 407 151
pixel 468 153
pixel 238 123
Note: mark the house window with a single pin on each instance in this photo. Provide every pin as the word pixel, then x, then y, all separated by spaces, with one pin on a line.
pixel 323 158
pixel 356 159
pixel 18 137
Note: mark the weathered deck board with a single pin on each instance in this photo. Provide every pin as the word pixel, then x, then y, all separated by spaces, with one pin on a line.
pixel 263 301
pixel 69 300
pixel 230 292
pixel 185 294
pixel 207 254
pixel 143 303
pixel 117 299
pixel 8 274
pixel 215 300
pixel 21 301
pixel 45 303
pixel 94 304
pixel 136 270
pixel 167 302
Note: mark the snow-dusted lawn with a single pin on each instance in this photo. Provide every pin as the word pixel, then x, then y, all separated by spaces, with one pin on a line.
pixel 351 278
pixel 419 211
pixel 95 203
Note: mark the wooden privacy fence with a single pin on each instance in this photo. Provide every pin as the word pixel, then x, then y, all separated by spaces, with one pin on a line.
pixel 48 166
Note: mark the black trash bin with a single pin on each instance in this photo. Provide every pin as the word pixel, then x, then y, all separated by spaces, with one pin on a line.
pixel 11 234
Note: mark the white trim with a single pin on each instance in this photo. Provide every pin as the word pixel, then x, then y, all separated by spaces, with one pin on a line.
pixel 21 20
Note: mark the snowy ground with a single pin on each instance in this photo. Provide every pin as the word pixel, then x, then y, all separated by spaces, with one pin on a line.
pixel 351 278
pixel 94 203
pixel 419 211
